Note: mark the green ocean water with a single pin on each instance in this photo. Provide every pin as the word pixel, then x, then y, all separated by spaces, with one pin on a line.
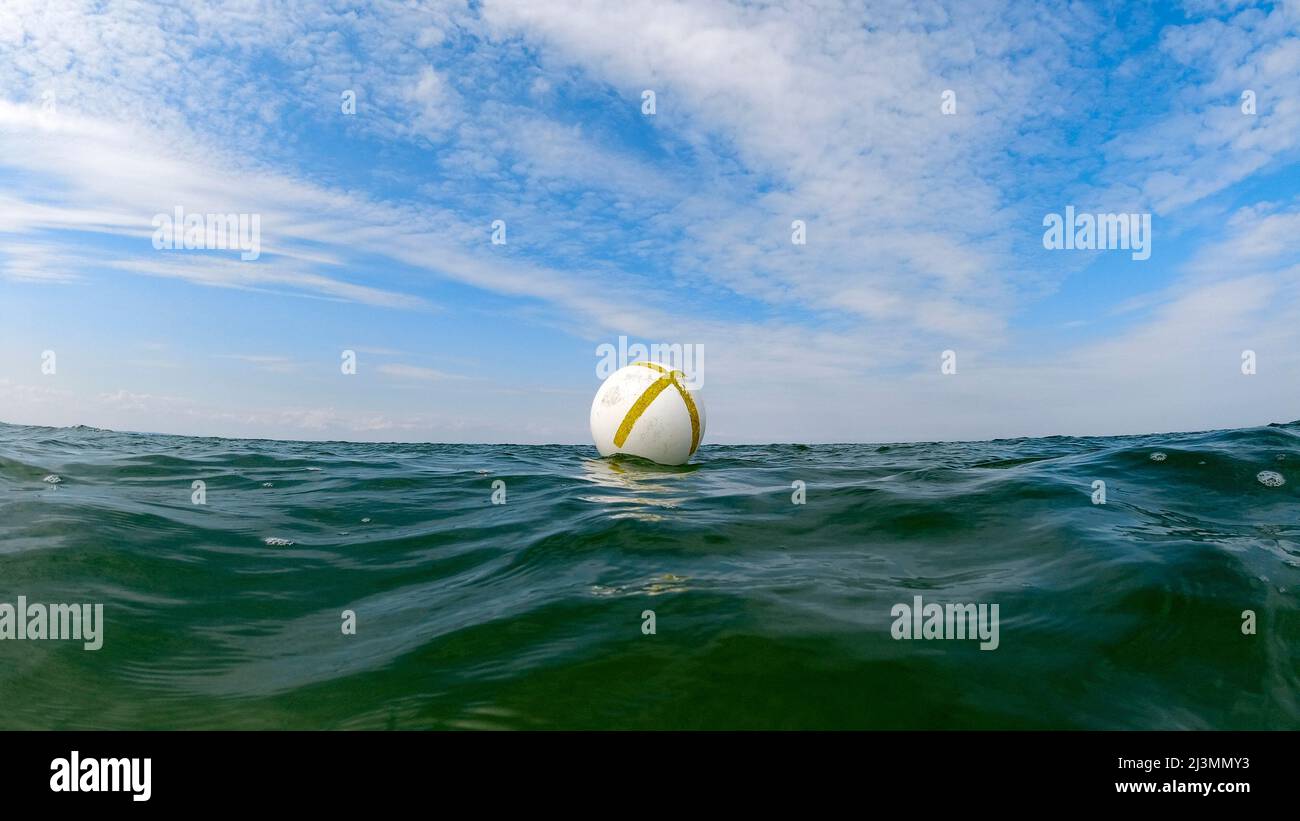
pixel 767 613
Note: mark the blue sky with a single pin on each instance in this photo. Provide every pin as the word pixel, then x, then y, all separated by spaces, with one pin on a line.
pixel 924 228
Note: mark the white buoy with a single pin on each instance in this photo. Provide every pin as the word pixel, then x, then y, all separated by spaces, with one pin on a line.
pixel 646 410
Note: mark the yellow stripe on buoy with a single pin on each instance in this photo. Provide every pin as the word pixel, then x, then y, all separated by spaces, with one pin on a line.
pixel 644 400
pixel 638 408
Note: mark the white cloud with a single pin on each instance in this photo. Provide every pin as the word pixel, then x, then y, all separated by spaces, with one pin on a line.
pixel 32 262
pixel 415 372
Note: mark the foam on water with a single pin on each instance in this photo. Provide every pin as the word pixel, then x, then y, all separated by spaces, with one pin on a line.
pixel 1270 478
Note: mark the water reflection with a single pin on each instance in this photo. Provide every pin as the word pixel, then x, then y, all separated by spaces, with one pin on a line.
pixel 635 482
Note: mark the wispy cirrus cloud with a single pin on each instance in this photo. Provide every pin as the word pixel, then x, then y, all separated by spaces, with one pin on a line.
pixel 416 372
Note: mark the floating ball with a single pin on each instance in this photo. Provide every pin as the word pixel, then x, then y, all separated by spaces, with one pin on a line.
pixel 646 410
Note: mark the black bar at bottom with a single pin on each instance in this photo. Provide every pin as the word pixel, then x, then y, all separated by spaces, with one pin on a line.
pixel 339 770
